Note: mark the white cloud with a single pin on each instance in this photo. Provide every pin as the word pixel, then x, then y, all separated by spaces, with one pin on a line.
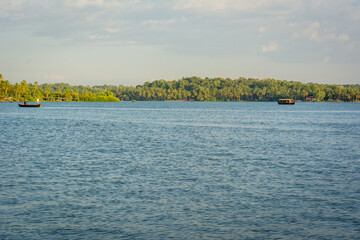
pixel 116 43
pixel 98 37
pixel 262 29
pixel 271 47
pixel 106 3
pixel 312 31
pixel 200 4
pixel 158 25
pixel 237 5
pixel 315 33
pixel 326 59
pixel 355 14
pixel 342 37
pixel 84 3
pixel 9 8
pixel 112 30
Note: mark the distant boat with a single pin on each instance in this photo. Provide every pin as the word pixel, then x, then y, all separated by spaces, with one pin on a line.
pixel 30 105
pixel 310 99
pixel 133 100
pixel 38 104
pixel 286 101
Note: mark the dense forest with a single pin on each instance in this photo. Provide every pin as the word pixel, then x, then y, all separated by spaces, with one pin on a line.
pixel 185 89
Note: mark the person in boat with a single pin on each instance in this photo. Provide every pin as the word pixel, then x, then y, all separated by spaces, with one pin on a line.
pixel 25 102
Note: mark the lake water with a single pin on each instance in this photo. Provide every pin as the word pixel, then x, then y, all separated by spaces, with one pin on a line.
pixel 180 170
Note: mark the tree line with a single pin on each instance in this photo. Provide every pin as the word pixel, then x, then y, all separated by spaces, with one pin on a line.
pixel 185 89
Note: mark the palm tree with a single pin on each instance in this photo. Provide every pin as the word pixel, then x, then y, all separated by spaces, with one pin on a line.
pixel 4 86
pixel 47 93
pixel 23 88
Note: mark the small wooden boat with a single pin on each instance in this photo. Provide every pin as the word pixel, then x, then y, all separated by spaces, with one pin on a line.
pixel 286 101
pixel 30 105
pixel 38 104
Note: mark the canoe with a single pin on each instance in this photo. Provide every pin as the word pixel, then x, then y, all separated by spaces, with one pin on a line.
pixel 30 105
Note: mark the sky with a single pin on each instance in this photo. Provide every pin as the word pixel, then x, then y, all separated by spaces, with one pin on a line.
pixel 129 42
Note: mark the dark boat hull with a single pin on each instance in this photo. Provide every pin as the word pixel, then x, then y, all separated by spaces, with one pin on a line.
pixel 30 105
pixel 287 103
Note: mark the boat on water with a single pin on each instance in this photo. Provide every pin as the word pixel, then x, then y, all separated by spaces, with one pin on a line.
pixel 286 101
pixel 310 99
pixel 38 104
pixel 30 105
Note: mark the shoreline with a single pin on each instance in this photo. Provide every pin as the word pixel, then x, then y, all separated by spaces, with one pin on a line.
pixel 297 101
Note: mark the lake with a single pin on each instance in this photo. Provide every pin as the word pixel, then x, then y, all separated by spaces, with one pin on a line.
pixel 180 170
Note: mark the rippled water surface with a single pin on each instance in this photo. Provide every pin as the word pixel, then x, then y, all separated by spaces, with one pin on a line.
pixel 181 170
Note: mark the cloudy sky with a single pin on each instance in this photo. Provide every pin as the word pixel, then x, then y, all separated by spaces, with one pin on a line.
pixel 128 42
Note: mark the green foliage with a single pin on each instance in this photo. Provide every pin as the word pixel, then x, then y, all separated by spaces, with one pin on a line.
pixel 241 89
pixel 185 89
pixel 53 92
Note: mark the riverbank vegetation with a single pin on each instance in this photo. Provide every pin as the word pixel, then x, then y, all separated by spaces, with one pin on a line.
pixel 185 89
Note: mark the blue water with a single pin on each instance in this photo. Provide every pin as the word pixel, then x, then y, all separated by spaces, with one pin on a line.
pixel 180 170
